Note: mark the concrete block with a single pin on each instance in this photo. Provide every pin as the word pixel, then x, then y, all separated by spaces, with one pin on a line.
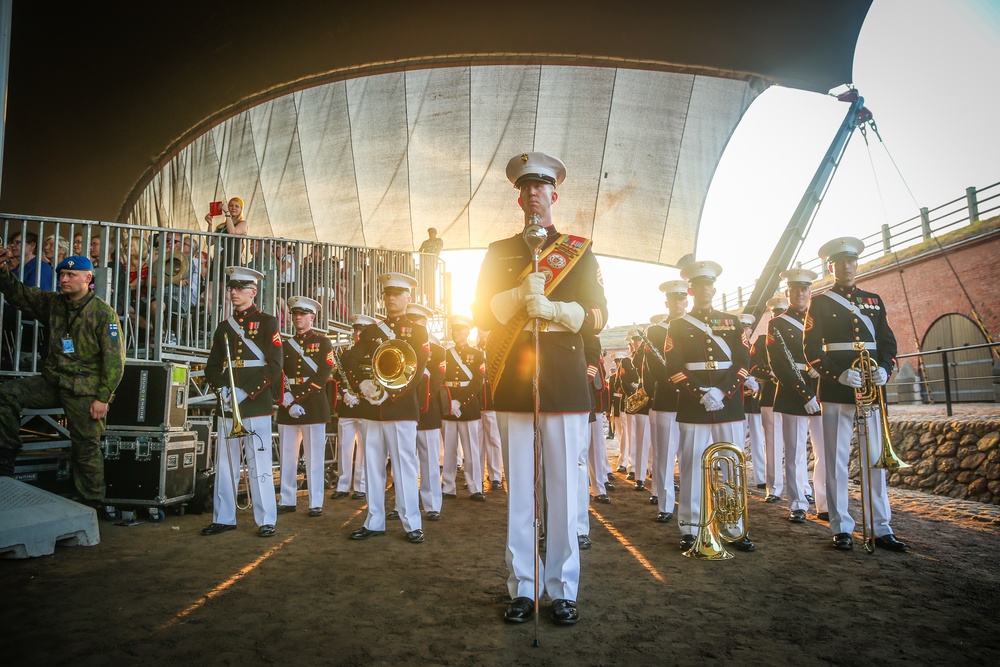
pixel 33 521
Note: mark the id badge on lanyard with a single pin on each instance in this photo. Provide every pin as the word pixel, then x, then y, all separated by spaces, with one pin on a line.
pixel 67 345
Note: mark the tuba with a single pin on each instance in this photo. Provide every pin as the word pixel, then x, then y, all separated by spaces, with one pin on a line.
pixel 865 399
pixel 394 363
pixel 176 267
pixel 723 502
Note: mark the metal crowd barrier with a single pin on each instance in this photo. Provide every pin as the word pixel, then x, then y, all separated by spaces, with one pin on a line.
pixel 168 285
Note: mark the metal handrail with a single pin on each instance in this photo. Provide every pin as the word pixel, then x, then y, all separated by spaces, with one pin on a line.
pixel 946 380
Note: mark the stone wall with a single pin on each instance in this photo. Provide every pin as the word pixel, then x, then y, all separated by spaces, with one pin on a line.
pixel 952 458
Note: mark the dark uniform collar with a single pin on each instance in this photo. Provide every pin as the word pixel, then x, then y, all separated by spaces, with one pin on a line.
pixel 701 313
pixel 242 314
pixel 845 291
pixel 799 315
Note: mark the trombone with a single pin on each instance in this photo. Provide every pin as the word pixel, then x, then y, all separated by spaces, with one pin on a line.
pixel 865 399
pixel 237 431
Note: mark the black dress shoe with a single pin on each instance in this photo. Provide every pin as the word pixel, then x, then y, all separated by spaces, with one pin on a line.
pixel 450 495
pixel 358 495
pixel 285 509
pixel 823 516
pixel 520 610
pixel 584 541
pixel 639 486
pixel 654 500
pixel 843 541
pixel 621 469
pixel 609 486
pixel 664 517
pixel 687 541
pixel 434 516
pixel 891 543
pixel 267 530
pixel 611 476
pixel 744 545
pixel 337 495
pixel 797 516
pixel 603 498
pixel 363 533
pixel 415 536
pixel 478 497
pixel 564 612
pixel 496 485
pixel 630 476
pixel 810 499
pixel 315 511
pixel 772 498
pixel 216 528
pixel 392 516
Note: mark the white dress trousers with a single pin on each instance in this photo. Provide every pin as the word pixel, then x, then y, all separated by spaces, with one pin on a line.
pixel 260 473
pixel 694 440
pixel 313 440
pixel 468 434
pixel 561 434
pixel 838 427
pixel 641 444
pixel 775 451
pixel 489 436
pixel 598 457
pixel 624 442
pixel 794 430
pixel 350 440
pixel 819 470
pixel 666 438
pixel 428 452
pixel 396 440
pixel 758 457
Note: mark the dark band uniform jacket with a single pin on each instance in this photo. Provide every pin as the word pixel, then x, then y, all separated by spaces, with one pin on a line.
pixel 615 387
pixel 363 410
pixel 694 358
pixel 795 387
pixel 257 361
pixel 97 364
pixel 430 390
pixel 761 370
pixel 464 385
pixel 829 322
pixel 401 404
pixel 662 392
pixel 307 380
pixel 563 385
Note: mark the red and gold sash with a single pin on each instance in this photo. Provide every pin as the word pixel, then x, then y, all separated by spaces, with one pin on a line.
pixel 555 262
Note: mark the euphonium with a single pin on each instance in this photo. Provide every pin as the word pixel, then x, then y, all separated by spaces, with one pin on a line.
pixel 723 502
pixel 394 364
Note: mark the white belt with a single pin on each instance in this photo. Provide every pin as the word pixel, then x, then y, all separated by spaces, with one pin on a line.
pixel 248 363
pixel 856 346
pixel 802 367
pixel 708 365
pixel 457 384
pixel 548 326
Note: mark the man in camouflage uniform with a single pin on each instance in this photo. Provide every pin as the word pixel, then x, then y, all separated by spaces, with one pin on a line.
pixel 85 363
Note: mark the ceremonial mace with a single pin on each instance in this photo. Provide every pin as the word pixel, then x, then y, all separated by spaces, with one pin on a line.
pixel 534 236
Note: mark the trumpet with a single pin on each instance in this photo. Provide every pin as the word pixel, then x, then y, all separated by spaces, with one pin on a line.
pixel 723 502
pixel 865 399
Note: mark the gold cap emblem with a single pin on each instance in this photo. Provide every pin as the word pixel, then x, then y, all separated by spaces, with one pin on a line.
pixel 524 158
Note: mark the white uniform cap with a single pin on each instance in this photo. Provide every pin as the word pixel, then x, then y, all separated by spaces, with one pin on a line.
pixel 632 333
pixel 701 271
pixel 656 319
pixel 359 320
pixel 802 276
pixel 747 320
pixel 460 321
pixel 304 303
pixel 420 310
pixel 846 246
pixel 244 275
pixel 400 280
pixel 675 287
pixel 535 167
pixel 777 303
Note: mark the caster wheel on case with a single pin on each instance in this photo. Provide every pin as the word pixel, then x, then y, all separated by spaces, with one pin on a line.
pixel 156 515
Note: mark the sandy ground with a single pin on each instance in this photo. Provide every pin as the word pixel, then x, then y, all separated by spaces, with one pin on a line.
pixel 161 594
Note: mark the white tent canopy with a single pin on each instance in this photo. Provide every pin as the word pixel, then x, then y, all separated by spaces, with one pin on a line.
pixel 376 160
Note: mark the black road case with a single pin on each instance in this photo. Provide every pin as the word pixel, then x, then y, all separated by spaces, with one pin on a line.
pixel 152 396
pixel 147 469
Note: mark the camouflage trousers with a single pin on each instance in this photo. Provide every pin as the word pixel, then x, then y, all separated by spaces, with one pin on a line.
pixel 35 393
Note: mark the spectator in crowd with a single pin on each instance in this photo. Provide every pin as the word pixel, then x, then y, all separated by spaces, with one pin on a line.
pixel 49 250
pixel 429 251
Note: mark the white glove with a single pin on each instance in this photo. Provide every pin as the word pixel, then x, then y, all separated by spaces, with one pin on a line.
pixel 812 407
pixel 456 408
pixel 224 395
pixel 881 377
pixel 240 395
pixel 713 398
pixel 296 411
pixel 350 399
pixel 505 304
pixel 813 373
pixel 751 383
pixel 712 406
pixel 369 389
pixel 377 401
pixel 568 313
pixel 850 378
pixel 287 399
